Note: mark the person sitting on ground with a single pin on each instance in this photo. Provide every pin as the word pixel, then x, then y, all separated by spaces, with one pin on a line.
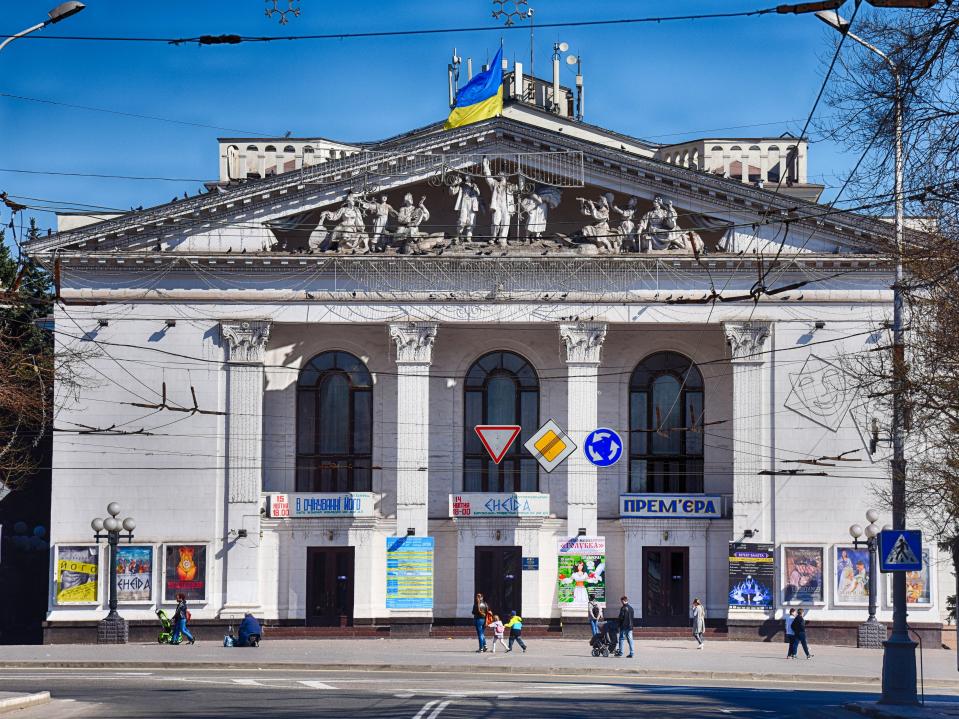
pixel 250 632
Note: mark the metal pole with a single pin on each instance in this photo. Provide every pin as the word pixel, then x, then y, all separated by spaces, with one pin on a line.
pixel 899 655
pixel 38 26
pixel 873 579
pixel 114 540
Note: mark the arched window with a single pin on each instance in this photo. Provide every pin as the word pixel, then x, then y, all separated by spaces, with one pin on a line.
pixel 289 149
pixel 500 388
pixel 334 425
pixel 666 425
pixel 308 157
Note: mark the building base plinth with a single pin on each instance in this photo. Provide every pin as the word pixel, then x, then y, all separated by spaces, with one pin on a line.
pixel 871 635
pixel 113 630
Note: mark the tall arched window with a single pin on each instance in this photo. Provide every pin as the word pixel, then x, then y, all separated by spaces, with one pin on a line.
pixel 334 425
pixel 500 388
pixel 666 425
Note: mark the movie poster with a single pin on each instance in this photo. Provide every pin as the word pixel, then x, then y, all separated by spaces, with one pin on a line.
pixel 752 574
pixel 76 574
pixel 918 585
pixel 134 573
pixel 184 572
pixel 850 575
pixel 803 575
pixel 581 573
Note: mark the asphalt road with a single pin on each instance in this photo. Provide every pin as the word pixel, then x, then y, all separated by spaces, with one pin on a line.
pixel 391 695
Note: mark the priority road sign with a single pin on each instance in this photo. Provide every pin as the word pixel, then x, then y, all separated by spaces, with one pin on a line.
pixel 603 447
pixel 497 438
pixel 900 550
pixel 550 445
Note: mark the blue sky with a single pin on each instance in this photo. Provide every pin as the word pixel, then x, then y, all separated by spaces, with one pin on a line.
pixel 661 82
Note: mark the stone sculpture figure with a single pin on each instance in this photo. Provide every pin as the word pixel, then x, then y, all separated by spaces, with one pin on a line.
pixel 349 232
pixel 536 206
pixel 627 228
pixel 502 204
pixel 381 211
pixel 598 233
pixel 659 228
pixel 408 221
pixel 466 205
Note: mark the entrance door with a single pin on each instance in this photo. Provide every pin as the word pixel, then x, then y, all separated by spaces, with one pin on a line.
pixel 329 586
pixel 665 586
pixel 498 576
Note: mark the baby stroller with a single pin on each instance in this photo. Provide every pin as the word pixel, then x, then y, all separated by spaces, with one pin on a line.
pixel 166 627
pixel 605 642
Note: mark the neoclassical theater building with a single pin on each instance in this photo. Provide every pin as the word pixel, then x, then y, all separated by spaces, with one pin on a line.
pixel 280 380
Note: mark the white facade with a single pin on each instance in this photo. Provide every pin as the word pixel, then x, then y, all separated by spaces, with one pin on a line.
pixel 247 322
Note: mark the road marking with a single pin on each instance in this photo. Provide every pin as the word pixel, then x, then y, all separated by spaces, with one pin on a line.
pixel 439 708
pixel 426 707
pixel 134 674
pixel 315 685
pixel 248 682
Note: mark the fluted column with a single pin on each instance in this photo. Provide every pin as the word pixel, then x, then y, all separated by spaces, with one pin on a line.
pixel 245 342
pixel 582 342
pixel 751 436
pixel 414 350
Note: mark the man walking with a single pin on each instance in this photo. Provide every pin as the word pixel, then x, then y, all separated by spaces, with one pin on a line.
pixel 799 632
pixel 626 615
pixel 788 620
pixel 480 608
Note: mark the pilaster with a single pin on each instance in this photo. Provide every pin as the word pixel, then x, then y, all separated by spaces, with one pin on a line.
pixel 414 349
pixel 582 342
pixel 751 430
pixel 245 342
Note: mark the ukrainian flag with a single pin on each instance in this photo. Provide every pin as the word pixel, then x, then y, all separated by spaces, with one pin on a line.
pixel 481 98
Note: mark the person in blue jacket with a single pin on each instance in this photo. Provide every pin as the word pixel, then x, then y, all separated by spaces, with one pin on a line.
pixel 249 634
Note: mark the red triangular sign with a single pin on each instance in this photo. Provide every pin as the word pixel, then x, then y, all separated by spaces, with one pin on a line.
pixel 497 438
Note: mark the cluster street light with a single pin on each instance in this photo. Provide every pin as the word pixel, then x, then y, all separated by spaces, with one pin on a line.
pixel 113 629
pixel 871 633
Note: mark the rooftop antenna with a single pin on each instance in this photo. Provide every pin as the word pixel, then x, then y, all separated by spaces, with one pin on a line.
pixel 577 60
pixel 558 48
pixel 516 11
pixel 453 70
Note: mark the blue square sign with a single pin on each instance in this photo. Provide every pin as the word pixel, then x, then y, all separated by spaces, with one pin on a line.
pixel 900 550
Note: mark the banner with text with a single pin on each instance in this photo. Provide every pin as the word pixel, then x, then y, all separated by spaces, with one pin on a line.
pixel 752 575
pixel 409 572
pixel 682 506
pixel 509 504
pixel 581 571
pixel 134 573
pixel 77 574
pixel 320 504
pixel 184 572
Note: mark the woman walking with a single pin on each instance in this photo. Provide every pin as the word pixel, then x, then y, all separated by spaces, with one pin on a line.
pixel 180 619
pixel 697 613
pixel 788 625
pixel 480 608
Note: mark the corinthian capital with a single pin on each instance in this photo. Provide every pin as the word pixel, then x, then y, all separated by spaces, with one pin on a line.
pixel 414 341
pixel 245 340
pixel 746 340
pixel 583 341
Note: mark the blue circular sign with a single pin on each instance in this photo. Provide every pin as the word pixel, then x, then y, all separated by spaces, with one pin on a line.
pixel 603 447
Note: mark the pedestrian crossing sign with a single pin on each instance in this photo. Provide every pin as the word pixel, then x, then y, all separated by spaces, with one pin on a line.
pixel 900 550
pixel 550 446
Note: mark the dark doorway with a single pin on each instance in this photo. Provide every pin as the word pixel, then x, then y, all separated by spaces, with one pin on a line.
pixel 499 577
pixel 329 586
pixel 665 586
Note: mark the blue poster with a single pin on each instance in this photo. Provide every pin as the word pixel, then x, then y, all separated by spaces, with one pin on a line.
pixel 409 572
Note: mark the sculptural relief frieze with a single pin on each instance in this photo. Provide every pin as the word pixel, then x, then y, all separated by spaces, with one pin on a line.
pixel 500 211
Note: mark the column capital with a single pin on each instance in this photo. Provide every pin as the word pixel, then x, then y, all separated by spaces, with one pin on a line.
pixel 746 340
pixel 245 340
pixel 583 341
pixel 414 341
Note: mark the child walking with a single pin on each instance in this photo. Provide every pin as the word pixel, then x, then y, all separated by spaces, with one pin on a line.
pixel 515 625
pixel 498 631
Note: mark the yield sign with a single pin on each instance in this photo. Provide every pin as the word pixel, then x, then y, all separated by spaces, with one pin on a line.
pixel 497 438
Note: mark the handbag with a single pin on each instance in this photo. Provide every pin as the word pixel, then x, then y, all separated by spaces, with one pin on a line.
pixel 489 618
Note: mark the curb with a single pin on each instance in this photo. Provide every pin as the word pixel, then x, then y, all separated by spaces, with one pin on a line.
pixel 466 669
pixel 22 702
pixel 880 711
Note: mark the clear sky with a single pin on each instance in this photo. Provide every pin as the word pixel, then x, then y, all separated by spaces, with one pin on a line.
pixel 662 82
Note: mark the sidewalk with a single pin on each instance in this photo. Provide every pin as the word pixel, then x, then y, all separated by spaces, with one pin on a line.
pixel 13 701
pixel 732 661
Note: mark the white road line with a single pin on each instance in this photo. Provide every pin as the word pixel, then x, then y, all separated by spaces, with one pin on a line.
pixel 439 708
pixel 426 707
pixel 315 684
pixel 248 682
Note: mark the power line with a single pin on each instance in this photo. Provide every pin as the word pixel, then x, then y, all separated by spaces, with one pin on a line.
pixel 95 174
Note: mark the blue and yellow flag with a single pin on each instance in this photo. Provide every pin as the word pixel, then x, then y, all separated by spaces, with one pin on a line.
pixel 481 98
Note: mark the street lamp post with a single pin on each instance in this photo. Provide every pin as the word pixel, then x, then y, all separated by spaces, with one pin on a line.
pixel 60 12
pixel 871 633
pixel 113 629
pixel 899 655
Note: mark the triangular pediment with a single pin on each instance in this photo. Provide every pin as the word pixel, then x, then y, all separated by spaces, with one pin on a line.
pixel 285 212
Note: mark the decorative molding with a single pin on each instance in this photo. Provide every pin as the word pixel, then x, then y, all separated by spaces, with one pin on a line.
pixel 583 341
pixel 746 340
pixel 246 340
pixel 414 341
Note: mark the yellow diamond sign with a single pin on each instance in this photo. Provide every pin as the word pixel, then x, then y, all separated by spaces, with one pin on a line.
pixel 550 445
